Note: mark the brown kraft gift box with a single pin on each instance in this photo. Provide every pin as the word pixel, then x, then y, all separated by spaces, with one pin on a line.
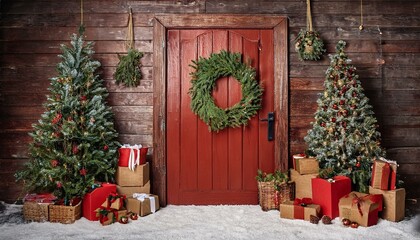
pixel 290 211
pixel 112 216
pixel 360 208
pixel 394 203
pixel 303 183
pixel 306 165
pixel 129 191
pixel 128 178
pixel 142 208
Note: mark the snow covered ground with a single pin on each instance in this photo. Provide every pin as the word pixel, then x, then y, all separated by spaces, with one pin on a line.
pixel 203 222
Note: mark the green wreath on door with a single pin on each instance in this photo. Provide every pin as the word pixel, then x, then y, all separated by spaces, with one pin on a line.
pixel 207 72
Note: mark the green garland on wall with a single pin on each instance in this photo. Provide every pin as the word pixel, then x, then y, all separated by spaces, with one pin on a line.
pixel 207 71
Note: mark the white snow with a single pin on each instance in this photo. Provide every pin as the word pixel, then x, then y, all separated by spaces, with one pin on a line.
pixel 208 222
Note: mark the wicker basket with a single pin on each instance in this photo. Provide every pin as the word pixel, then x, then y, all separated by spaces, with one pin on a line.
pixel 286 192
pixel 267 195
pixel 65 214
pixel 33 211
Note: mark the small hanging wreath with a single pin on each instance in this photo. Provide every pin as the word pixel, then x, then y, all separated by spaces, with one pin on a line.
pixel 308 43
pixel 204 78
pixel 128 69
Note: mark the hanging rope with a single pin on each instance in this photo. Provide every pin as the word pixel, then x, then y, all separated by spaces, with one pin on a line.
pixel 130 31
pixel 81 12
pixel 361 15
pixel 308 16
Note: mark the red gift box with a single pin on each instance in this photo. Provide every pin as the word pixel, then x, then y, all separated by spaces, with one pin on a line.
pixel 39 197
pixel 327 193
pixel 129 156
pixel 93 200
pixel 384 174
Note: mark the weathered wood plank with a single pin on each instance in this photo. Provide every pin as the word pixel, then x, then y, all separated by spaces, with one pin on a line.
pixel 134 127
pixel 98 6
pixel 48 60
pixel 36 47
pixel 64 33
pixel 130 99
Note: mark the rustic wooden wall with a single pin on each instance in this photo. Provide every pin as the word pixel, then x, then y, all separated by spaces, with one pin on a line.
pixel 386 55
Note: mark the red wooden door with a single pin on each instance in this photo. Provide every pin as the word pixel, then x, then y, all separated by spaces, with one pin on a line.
pixel 205 167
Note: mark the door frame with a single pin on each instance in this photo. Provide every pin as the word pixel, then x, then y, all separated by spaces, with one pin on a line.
pixel 163 22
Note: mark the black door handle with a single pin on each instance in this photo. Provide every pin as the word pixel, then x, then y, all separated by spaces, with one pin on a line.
pixel 270 127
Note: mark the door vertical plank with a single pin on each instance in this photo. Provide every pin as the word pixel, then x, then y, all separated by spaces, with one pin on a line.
pixel 220 139
pixel 251 131
pixel 267 80
pixel 188 172
pixel 234 95
pixel 205 155
pixel 173 115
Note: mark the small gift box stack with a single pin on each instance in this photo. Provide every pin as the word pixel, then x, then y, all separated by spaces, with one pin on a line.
pixel 327 193
pixel 142 204
pixel 95 198
pixel 304 169
pixel 384 175
pixel 112 210
pixel 300 209
pixel 132 175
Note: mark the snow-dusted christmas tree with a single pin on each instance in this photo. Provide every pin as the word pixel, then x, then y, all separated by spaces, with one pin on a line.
pixel 344 136
pixel 74 142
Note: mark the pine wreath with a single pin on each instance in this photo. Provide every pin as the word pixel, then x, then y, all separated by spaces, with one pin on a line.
pixel 207 71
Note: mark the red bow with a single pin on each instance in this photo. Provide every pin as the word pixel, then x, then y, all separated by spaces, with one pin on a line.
pixel 375 198
pixel 303 201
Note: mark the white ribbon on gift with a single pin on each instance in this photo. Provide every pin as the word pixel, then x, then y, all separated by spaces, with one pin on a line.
pixel 133 160
pixel 142 196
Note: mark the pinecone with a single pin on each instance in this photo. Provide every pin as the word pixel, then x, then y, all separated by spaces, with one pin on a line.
pixel 314 219
pixel 326 219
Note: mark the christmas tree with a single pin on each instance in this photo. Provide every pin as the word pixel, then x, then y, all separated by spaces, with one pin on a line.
pixel 344 136
pixel 74 143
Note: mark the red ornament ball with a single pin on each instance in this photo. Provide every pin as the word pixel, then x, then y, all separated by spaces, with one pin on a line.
pixel 358 164
pixel 54 163
pixel 342 102
pixel 106 147
pixel 323 124
pixel 124 220
pixel 333 119
pixel 354 225
pixel 335 107
pixel 83 172
pixel 134 216
pixel 346 222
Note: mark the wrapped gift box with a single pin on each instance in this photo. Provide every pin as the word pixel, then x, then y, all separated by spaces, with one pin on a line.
pixel 129 191
pixel 394 203
pixel 109 216
pixel 143 205
pixel 296 157
pixel 128 178
pixel 361 208
pixel 114 201
pixel 132 155
pixel 294 210
pixel 327 193
pixel 93 200
pixel 303 184
pixel 306 165
pixel 384 174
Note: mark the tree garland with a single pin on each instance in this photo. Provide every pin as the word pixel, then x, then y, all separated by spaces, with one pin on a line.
pixel 204 78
